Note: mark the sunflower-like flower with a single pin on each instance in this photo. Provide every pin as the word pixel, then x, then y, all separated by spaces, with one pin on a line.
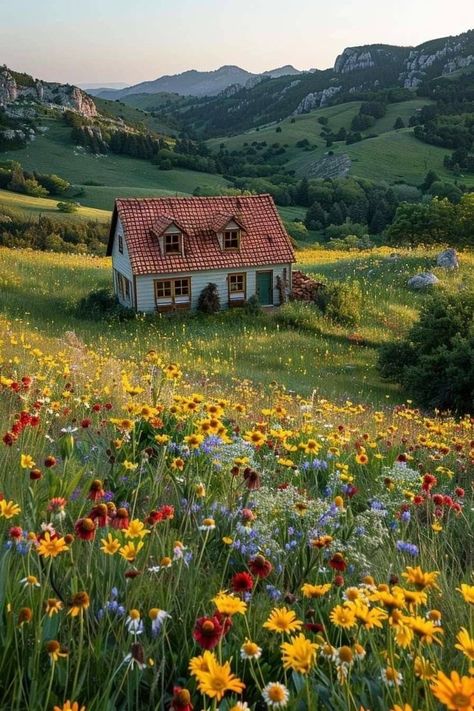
pixel 343 616
pixel 454 691
pixel 299 654
pixel 218 679
pixel 282 620
pixel 229 605
pixel 465 643
pixel 49 547
pixel 315 591
pixel 420 579
pixel 467 591
pixel 425 630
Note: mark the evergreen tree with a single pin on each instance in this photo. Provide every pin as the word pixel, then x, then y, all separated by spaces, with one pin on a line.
pixel 399 123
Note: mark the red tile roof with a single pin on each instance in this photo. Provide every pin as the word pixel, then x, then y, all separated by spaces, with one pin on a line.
pixel 263 242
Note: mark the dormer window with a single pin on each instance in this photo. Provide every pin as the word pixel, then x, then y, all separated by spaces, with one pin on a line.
pixel 172 243
pixel 232 240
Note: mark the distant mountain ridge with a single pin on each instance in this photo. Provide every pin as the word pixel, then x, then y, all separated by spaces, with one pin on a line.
pixel 196 83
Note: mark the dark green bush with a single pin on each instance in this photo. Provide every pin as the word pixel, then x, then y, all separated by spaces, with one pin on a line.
pixel 102 304
pixel 340 301
pixel 435 363
pixel 252 306
pixel 209 302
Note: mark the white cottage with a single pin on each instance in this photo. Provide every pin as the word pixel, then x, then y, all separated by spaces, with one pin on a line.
pixel 166 250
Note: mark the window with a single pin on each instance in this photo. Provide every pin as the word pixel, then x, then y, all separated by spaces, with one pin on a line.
pixel 171 293
pixel 237 286
pixel 173 244
pixel 231 239
pixel 123 287
pixel 120 244
pixel 236 282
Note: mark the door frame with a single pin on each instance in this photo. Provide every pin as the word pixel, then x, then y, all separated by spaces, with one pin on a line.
pixel 266 271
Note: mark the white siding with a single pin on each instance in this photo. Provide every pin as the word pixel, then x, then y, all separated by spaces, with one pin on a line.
pixel 121 263
pixel 145 284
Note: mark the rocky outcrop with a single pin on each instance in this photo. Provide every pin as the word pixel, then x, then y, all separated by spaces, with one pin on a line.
pixel 316 100
pixel 330 166
pixel 448 259
pixel 441 58
pixel 352 59
pixel 49 93
pixel 423 280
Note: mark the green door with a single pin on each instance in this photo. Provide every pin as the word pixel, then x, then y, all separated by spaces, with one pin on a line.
pixel 265 288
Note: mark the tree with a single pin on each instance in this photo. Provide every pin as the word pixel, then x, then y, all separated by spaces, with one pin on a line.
pixel 430 178
pixel 399 123
pixel 302 193
pixel 315 217
pixel 435 363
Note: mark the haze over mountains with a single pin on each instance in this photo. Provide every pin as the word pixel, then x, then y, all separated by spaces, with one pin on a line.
pixel 195 83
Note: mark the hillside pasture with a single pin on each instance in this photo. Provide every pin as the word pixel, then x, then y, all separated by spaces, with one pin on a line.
pixel 110 175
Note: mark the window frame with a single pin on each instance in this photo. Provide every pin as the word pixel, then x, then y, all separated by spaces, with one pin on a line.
pixel 174 295
pixel 123 287
pixel 175 239
pixel 120 243
pixel 236 296
pixel 234 236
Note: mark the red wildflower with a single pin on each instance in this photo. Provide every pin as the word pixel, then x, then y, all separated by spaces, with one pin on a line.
pixel 242 582
pixel 85 423
pixel 50 462
pixel 418 499
pixel 181 700
pixel 96 407
pixel 121 519
pixel 100 515
pixel 85 529
pixel 248 515
pixel 314 627
pixel 207 632
pixel 260 566
pixel 96 490
pixel 252 478
pixel 338 581
pixel 8 439
pixel 35 474
pixel 16 532
pixel 459 491
pixel 438 499
pixel 337 562
pixel 428 482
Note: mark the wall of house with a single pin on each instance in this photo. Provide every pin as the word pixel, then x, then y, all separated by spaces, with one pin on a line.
pixel 121 263
pixel 199 280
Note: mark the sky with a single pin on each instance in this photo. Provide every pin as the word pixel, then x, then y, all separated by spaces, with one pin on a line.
pixel 103 41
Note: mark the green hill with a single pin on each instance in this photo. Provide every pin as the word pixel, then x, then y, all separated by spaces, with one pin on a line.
pixel 101 178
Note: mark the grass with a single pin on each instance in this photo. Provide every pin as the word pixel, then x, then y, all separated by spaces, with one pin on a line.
pixel 54 152
pixel 392 156
pixel 39 292
pixel 48 206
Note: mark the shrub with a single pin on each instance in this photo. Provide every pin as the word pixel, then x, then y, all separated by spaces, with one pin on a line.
pixel 102 304
pixel 252 306
pixel 209 302
pixel 301 316
pixel 341 301
pixel 67 207
pixel 435 363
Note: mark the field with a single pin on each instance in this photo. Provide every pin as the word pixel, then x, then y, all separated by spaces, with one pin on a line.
pixel 393 156
pixel 48 206
pixel 227 513
pixel 116 176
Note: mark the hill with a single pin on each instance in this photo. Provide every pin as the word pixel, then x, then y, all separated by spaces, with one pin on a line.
pixel 356 70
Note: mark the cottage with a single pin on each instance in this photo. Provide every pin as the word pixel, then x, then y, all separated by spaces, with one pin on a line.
pixel 166 250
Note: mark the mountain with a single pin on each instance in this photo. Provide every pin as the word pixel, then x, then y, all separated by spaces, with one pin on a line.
pixel 357 72
pixel 18 86
pixel 195 83
pixel 102 86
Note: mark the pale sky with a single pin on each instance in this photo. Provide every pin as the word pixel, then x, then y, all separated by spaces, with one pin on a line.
pixel 130 41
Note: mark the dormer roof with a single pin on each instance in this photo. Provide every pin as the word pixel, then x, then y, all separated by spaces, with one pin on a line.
pixel 266 241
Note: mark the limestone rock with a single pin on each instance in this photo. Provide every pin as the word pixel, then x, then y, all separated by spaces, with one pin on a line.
pixel 423 280
pixel 448 259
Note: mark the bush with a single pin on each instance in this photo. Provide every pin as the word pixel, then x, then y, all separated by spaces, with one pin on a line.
pixel 300 315
pixel 67 207
pixel 252 306
pixel 102 304
pixel 341 301
pixel 435 363
pixel 350 242
pixel 209 301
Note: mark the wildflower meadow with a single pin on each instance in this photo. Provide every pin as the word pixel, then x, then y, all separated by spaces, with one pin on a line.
pixel 170 547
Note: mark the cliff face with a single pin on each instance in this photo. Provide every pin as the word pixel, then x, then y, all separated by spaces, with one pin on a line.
pixel 61 95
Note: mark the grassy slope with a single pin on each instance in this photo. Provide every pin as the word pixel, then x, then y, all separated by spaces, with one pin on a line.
pixel 131 114
pixel 392 156
pixel 231 346
pixel 120 175
pixel 48 206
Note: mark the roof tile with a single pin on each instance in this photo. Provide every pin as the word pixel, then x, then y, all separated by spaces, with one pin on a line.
pixel 264 241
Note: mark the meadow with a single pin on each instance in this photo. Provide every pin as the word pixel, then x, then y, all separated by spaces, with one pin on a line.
pixel 114 175
pixel 230 514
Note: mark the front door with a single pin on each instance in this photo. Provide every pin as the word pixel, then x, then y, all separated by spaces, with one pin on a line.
pixel 265 288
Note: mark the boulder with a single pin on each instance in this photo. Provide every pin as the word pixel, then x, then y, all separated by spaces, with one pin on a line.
pixel 448 259
pixel 423 280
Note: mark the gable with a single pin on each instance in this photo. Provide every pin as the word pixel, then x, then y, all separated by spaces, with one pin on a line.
pixel 264 239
